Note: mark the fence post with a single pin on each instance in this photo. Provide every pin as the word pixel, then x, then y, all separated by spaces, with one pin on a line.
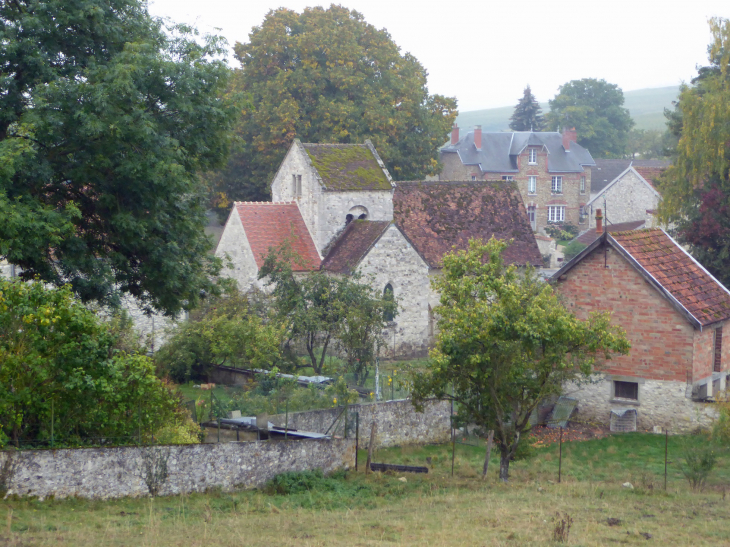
pixel 52 417
pixel 286 421
pixel 357 436
pixel 666 450
pixel 139 423
pixel 373 429
pixel 560 457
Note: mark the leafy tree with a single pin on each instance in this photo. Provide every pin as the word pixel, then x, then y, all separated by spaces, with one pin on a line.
pixel 326 75
pixel 696 188
pixel 528 114
pixel 59 359
pixel 224 331
pixel 321 310
pixel 505 343
pixel 106 117
pixel 595 109
pixel 650 144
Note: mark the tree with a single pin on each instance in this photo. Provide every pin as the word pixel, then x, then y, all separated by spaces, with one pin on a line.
pixel 326 75
pixel 650 144
pixel 595 109
pixel 696 188
pixel 61 373
pixel 321 310
pixel 505 344
pixel 528 114
pixel 106 117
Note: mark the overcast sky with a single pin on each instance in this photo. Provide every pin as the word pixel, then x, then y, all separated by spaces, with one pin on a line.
pixel 485 52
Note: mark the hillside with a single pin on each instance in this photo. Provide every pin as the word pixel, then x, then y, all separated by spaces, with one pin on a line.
pixel 645 105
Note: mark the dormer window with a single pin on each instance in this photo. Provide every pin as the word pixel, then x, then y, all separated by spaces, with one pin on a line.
pixel 532 158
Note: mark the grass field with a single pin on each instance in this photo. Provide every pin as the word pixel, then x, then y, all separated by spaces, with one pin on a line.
pixel 434 509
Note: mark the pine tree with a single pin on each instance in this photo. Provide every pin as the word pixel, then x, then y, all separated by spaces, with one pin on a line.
pixel 527 115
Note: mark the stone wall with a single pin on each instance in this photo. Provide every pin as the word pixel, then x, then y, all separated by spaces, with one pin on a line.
pixel 104 473
pixel 628 199
pixel 398 422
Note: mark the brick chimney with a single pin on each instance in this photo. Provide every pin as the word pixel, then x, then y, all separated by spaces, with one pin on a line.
pixel 455 134
pixel 478 137
pixel 599 221
pixel 569 135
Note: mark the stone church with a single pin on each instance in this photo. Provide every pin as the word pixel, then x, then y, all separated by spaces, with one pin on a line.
pixel 343 213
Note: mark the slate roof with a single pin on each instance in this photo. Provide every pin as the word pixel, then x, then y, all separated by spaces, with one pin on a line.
pixel 269 224
pixel 436 216
pixel 591 235
pixel 353 244
pixel 606 171
pixel 349 167
pixel 500 150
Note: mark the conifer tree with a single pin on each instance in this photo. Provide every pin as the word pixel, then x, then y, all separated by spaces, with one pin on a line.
pixel 527 115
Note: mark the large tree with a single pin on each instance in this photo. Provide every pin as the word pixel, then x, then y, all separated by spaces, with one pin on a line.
pixel 696 189
pixel 595 108
pixel 528 114
pixel 106 117
pixel 325 75
pixel 505 344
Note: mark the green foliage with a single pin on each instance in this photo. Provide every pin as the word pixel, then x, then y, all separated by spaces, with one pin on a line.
pixel 326 75
pixel 505 343
pixel 59 358
pixel 562 232
pixel 528 114
pixel 699 461
pixel 573 249
pixel 648 144
pixel 225 331
pixel 106 117
pixel 595 108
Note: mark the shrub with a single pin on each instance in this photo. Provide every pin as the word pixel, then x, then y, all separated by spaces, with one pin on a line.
pixel 573 249
pixel 699 461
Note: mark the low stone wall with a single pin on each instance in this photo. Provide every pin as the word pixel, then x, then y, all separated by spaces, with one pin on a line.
pixel 661 403
pixel 104 473
pixel 398 422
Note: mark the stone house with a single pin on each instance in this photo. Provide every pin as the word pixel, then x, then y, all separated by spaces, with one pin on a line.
pixel 551 170
pixel 673 312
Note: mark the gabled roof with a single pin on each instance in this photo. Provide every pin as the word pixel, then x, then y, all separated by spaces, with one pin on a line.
pixel 348 167
pixel 591 235
pixel 689 287
pixel 606 171
pixel 268 225
pixel 500 150
pixel 629 169
pixel 353 244
pixel 436 216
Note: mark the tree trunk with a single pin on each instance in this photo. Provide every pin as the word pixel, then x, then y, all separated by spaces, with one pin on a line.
pixel 490 440
pixel 371 446
pixel 504 462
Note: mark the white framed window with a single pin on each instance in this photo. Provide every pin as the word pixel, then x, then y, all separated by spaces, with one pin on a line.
pixel 509 178
pixel 556 213
pixel 532 159
pixel 557 187
pixel 582 185
pixel 532 185
pixel 473 177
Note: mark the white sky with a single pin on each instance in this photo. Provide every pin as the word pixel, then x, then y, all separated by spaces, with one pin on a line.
pixel 485 52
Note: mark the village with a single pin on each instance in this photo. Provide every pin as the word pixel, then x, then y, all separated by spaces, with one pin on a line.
pixel 396 322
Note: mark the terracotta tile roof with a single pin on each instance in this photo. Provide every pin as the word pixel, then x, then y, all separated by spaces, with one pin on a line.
pixel 352 245
pixel 591 235
pixel 435 216
pixel 269 224
pixel 348 166
pixel 678 273
pixel 650 174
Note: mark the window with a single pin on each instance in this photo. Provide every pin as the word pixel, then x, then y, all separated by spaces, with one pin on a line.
pixel 532 160
pixel 473 177
pixel 532 216
pixel 299 186
pixel 626 390
pixel 582 185
pixel 532 185
pixel 557 185
pixel 348 219
pixel 296 186
pixel 508 177
pixel 556 213
pixel 582 215
pixel 717 362
pixel 389 313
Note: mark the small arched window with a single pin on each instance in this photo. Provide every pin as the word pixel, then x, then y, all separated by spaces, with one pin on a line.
pixel 362 217
pixel 348 219
pixel 389 313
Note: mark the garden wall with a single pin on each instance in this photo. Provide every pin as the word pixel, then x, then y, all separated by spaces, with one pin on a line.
pixel 398 422
pixel 104 473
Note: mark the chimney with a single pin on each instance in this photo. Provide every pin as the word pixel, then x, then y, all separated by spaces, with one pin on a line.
pixel 599 221
pixel 455 134
pixel 568 136
pixel 478 137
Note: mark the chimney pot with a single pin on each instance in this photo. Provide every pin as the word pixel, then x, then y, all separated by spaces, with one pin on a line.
pixel 478 137
pixel 455 134
pixel 568 136
pixel 599 221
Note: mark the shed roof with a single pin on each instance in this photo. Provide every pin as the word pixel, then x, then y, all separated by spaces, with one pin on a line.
pixel 437 216
pixel 348 167
pixel 268 225
pixel 353 244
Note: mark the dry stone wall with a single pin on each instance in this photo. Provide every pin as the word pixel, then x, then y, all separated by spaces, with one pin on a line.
pixel 104 473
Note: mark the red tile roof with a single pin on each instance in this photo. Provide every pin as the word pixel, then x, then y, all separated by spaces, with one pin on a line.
pixel 268 225
pixel 436 216
pixel 591 235
pixel 352 245
pixel 650 174
pixel 678 273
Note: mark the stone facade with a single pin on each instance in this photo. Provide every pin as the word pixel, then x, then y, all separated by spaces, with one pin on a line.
pixel 106 473
pixel 629 197
pixel 235 250
pixel 398 422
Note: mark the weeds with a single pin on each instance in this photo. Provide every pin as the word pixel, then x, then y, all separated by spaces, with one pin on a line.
pixel 154 468
pixel 562 527
pixel 698 463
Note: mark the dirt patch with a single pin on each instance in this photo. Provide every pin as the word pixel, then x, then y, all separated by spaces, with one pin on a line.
pixel 542 435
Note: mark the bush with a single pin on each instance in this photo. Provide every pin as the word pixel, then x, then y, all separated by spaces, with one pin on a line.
pixel 699 461
pixel 573 249
pixel 561 232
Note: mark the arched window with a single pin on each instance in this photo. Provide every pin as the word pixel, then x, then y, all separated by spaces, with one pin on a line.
pixel 362 216
pixel 389 314
pixel 348 219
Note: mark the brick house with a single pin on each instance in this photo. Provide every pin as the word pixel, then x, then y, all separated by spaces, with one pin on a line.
pixel 551 170
pixel 674 313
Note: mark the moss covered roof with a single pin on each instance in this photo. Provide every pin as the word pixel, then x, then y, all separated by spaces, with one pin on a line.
pixel 347 167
